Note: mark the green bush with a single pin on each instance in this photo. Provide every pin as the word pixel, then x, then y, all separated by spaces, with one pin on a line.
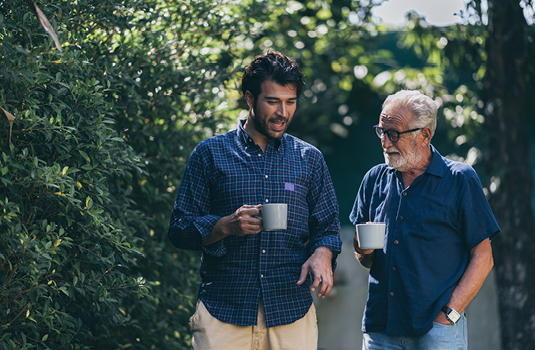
pixel 67 235
pixel 101 135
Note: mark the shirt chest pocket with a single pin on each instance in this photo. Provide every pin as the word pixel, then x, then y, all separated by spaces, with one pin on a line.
pixel 429 221
pixel 295 195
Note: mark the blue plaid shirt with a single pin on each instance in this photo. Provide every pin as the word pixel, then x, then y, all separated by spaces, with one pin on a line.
pixel 227 171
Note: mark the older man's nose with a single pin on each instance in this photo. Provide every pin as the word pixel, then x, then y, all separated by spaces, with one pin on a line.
pixel 385 141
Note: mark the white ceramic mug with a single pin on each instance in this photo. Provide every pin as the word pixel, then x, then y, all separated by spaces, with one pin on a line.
pixel 371 235
pixel 274 216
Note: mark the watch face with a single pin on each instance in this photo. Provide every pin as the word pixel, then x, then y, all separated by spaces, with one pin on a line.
pixel 453 316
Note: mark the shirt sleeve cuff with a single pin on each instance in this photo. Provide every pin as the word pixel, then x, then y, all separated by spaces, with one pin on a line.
pixel 333 243
pixel 205 226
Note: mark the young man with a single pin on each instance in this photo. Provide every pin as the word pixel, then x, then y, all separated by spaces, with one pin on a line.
pixel 254 291
pixel 439 224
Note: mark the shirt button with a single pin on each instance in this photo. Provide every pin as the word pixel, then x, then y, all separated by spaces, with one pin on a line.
pixel 404 194
pixel 392 269
pixel 262 276
pixel 400 218
pixel 266 176
pixel 260 155
pixel 264 251
pixel 396 242
pixel 391 294
pixel 267 200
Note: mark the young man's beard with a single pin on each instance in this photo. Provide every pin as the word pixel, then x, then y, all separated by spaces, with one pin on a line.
pixel 261 125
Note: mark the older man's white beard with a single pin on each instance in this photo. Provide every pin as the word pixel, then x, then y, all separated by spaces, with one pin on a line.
pixel 400 162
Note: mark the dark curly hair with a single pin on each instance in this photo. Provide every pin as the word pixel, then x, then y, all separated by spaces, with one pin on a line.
pixel 271 66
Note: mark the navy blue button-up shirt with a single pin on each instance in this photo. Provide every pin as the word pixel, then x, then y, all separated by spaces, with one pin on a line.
pixel 229 170
pixel 431 227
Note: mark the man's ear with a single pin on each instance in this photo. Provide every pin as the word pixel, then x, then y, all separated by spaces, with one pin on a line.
pixel 427 134
pixel 249 98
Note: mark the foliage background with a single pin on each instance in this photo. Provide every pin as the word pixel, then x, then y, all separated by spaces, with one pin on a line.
pixel 103 130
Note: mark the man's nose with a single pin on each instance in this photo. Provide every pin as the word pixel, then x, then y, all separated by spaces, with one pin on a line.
pixel 281 110
pixel 385 141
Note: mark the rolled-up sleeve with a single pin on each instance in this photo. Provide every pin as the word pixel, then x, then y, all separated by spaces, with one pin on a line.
pixel 191 223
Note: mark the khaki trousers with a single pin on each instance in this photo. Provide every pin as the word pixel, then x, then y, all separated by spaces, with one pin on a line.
pixel 208 333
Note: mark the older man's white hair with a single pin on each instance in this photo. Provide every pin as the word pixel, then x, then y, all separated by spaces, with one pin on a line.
pixel 422 107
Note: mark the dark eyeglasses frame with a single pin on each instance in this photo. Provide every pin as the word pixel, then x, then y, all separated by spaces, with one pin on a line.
pixel 393 135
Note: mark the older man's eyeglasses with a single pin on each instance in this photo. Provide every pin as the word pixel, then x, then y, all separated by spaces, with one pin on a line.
pixel 393 135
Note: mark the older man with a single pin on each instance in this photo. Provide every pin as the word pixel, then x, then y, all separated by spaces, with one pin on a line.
pixel 437 250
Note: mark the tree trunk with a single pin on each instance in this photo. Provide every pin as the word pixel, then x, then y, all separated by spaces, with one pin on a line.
pixel 508 163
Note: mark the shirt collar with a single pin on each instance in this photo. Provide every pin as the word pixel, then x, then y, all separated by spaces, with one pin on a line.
pixel 437 166
pixel 248 140
pixel 244 135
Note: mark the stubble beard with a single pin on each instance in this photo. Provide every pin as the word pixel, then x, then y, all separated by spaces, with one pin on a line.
pixel 261 125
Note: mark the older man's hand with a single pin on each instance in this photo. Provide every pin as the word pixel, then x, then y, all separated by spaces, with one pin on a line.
pixel 365 257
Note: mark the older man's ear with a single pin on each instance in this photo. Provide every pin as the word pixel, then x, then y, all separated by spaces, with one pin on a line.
pixel 427 134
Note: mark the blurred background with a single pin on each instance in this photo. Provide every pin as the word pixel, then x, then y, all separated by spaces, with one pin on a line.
pixel 105 100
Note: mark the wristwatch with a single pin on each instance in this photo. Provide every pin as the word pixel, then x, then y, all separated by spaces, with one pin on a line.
pixel 452 315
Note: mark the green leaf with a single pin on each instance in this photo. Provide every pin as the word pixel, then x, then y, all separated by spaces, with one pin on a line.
pixel 86 157
pixel 62 91
pixel 24 341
